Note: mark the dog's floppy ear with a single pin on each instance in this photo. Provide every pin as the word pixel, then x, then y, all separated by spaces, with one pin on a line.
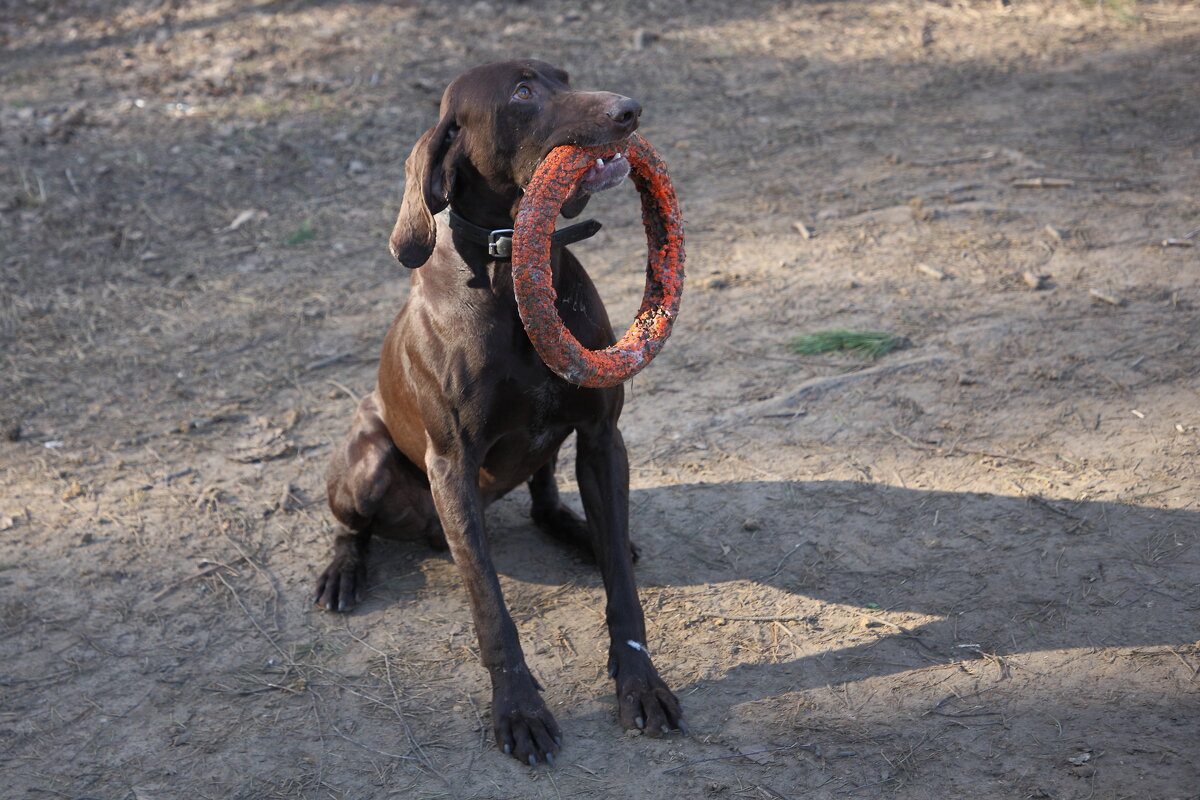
pixel 429 175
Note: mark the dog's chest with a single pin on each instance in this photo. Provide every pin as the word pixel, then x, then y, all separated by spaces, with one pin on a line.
pixel 548 413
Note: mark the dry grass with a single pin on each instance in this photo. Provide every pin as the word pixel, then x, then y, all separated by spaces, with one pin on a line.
pixel 949 578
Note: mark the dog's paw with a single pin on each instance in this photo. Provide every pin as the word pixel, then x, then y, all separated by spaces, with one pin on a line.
pixel 643 700
pixel 524 727
pixel 340 586
pixel 566 526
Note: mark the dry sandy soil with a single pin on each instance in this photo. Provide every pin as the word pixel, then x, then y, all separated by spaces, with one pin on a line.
pixel 968 569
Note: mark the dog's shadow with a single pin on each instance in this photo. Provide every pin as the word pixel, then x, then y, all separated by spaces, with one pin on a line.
pixel 928 576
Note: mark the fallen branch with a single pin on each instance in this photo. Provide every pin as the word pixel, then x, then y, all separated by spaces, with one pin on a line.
pixel 754 619
pixel 816 386
pixel 987 155
pixel 1043 183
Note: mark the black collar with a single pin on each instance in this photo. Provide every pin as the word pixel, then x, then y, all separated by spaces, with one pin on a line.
pixel 499 240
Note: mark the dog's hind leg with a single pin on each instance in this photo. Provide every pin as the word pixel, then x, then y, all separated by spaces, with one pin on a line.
pixel 556 519
pixel 373 490
pixel 549 513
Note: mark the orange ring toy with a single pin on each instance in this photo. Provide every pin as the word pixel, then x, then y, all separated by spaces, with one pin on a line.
pixel 533 281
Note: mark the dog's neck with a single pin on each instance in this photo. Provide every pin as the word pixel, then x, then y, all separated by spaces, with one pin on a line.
pixel 483 212
pixel 496 243
pixel 486 200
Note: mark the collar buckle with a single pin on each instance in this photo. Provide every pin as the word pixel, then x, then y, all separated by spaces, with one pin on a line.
pixel 499 243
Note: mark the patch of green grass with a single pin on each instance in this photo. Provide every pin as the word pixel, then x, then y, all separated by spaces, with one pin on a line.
pixel 864 344
pixel 305 233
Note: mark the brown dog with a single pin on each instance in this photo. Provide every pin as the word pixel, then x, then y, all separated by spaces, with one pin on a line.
pixel 465 411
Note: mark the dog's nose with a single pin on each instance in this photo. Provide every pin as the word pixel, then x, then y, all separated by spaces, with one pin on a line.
pixel 625 112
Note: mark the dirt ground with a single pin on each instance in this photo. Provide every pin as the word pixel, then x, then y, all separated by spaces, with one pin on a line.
pixel 968 569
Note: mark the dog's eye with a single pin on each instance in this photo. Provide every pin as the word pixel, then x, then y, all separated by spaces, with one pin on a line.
pixel 523 92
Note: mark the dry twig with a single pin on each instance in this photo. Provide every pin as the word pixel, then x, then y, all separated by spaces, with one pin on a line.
pixel 796 746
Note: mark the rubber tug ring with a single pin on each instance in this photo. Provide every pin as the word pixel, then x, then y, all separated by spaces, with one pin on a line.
pixel 533 281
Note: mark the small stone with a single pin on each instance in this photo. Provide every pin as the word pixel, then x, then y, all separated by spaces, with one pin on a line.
pixel 1034 282
pixel 751 525
pixel 251 264
pixel 919 212
pixel 356 167
pixel 643 38
pixel 932 272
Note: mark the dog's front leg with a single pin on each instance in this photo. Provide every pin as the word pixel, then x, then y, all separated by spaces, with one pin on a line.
pixel 643 699
pixel 523 725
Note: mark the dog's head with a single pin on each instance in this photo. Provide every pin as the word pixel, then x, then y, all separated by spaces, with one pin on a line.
pixel 497 123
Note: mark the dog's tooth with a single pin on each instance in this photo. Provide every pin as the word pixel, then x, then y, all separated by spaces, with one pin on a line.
pixel 599 162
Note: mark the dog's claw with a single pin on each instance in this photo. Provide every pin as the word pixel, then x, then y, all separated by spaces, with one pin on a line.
pixel 523 726
pixel 339 587
pixel 644 702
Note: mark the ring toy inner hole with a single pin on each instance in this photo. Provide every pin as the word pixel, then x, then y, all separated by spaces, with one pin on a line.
pixel 553 181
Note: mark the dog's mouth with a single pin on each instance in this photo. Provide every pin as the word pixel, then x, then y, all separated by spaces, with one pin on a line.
pixel 604 173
